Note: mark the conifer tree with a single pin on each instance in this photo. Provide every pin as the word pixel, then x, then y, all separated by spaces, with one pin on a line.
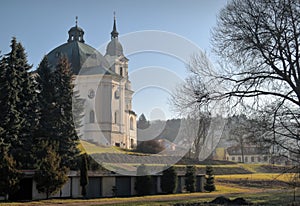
pixel 19 114
pixel 66 131
pixel 143 123
pixel 190 178
pixel 50 175
pixel 210 182
pixel 10 89
pixel 143 182
pixel 28 108
pixel 56 122
pixel 168 181
pixel 84 174
pixel 47 125
pixel 9 175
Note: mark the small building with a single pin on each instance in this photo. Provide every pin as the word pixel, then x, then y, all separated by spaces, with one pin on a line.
pixel 251 154
pixel 100 185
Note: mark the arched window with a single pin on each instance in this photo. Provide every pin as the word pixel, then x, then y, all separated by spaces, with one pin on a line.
pixel 92 116
pixel 116 117
pixel 121 71
pixel 131 123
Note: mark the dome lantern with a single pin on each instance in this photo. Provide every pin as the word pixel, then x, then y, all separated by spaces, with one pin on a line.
pixel 76 33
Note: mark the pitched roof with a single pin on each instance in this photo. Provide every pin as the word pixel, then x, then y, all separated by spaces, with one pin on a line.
pixel 250 150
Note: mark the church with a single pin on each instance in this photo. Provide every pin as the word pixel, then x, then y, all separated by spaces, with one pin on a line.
pixel 103 83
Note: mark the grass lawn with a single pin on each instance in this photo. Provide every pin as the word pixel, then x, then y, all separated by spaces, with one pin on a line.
pixel 256 176
pixel 260 196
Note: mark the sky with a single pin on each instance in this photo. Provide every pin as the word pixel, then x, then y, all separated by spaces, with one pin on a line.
pixel 157 37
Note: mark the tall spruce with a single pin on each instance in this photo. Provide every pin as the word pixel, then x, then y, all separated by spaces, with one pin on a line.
pixel 46 87
pixel 66 131
pixel 10 89
pixel 28 108
pixel 55 98
pixel 18 107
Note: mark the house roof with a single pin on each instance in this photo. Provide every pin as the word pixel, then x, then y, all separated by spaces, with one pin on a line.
pixel 248 150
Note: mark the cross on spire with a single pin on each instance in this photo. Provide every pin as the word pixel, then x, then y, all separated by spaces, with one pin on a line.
pixel 114 33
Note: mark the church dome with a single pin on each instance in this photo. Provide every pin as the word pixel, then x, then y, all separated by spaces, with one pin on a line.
pixel 83 58
pixel 114 48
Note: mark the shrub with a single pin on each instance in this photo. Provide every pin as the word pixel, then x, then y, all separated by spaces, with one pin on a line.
pixel 151 146
pixel 210 182
pixel 168 181
pixel 190 178
pixel 143 182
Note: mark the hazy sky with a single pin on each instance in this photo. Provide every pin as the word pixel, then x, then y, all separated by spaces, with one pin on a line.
pixel 42 25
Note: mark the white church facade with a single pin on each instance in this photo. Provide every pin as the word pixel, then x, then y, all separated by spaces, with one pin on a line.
pixel 103 83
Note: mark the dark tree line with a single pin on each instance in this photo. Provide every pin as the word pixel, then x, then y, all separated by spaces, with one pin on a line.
pixel 37 130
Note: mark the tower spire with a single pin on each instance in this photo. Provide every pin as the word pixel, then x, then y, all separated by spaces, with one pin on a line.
pixel 114 33
pixel 76 20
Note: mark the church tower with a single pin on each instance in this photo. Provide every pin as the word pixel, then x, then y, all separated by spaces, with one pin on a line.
pixel 122 93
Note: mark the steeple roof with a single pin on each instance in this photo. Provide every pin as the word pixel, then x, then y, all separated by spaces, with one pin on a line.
pixel 114 47
pixel 114 33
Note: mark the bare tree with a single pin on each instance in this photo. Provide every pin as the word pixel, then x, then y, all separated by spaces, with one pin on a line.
pixel 258 45
pixel 203 125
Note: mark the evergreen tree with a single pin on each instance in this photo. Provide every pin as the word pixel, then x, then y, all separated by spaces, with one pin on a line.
pixel 84 174
pixel 168 181
pixel 9 175
pixel 18 107
pixel 66 131
pixel 55 99
pixel 10 89
pixel 190 178
pixel 143 123
pixel 210 183
pixel 46 130
pixel 28 108
pixel 143 182
pixel 50 176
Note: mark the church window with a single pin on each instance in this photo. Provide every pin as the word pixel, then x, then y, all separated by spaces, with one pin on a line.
pixel 92 116
pixel 116 117
pixel 121 71
pixel 131 123
pixel 131 143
